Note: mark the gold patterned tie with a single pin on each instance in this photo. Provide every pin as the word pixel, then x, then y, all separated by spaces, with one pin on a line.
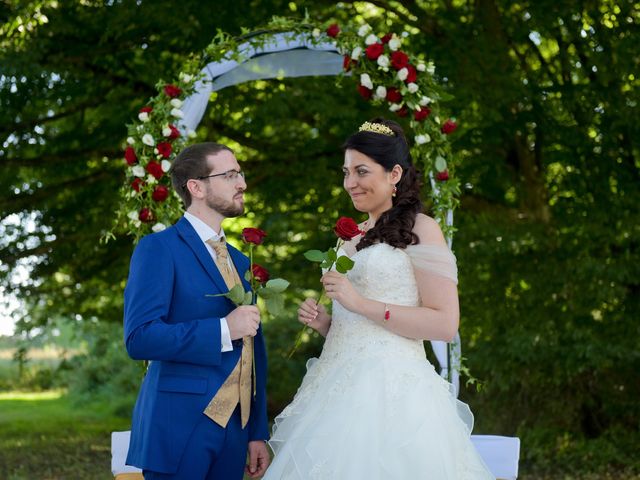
pixel 237 387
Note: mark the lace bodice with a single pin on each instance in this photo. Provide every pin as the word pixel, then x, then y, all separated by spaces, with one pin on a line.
pixel 384 273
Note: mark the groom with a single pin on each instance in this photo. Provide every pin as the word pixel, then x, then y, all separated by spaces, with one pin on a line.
pixel 202 405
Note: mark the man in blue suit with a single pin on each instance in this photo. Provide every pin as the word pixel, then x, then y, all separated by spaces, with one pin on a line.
pixel 202 405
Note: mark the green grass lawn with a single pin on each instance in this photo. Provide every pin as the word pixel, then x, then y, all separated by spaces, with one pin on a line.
pixel 45 436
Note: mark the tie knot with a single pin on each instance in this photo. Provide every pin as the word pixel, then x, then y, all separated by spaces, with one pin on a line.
pixel 219 246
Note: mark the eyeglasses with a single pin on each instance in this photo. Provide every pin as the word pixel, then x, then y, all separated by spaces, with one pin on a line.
pixel 229 176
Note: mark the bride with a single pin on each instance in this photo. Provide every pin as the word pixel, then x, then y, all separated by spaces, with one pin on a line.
pixel 372 406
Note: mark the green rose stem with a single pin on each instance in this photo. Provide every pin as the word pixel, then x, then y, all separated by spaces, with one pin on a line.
pixel 328 259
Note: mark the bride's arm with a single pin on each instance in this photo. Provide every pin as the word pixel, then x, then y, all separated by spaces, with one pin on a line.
pixel 438 316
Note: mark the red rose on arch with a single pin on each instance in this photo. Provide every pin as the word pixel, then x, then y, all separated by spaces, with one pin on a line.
pixel 442 176
pixel 403 112
pixel 385 39
pixel 346 63
pixel 333 30
pixel 449 127
pixel 365 92
pixel 164 148
pixel 422 114
pixel 394 95
pixel 346 228
pixel 172 91
pixel 145 215
pixel 412 75
pixel 130 156
pixel 175 133
pixel 160 193
pixel 374 50
pixel 260 273
pixel 155 169
pixel 399 60
pixel 146 109
pixel 253 235
pixel 137 184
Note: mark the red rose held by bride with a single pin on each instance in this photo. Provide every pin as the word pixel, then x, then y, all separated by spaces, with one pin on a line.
pixel 253 235
pixel 346 228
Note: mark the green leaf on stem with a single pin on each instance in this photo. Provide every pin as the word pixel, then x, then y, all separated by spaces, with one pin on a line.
pixel 331 255
pixel 314 255
pixel 237 295
pixel 247 275
pixel 278 285
pixel 275 305
pixel 247 298
pixel 344 264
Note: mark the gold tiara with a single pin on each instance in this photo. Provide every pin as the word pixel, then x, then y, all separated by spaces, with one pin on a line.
pixel 376 128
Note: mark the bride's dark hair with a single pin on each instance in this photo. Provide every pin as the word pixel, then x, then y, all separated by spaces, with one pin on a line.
pixel 394 226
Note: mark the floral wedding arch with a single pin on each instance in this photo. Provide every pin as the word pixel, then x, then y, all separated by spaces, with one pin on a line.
pixel 384 68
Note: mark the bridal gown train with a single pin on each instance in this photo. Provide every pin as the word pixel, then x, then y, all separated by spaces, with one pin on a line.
pixel 372 406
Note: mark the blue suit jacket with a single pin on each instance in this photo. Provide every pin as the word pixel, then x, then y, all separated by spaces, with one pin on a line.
pixel 169 320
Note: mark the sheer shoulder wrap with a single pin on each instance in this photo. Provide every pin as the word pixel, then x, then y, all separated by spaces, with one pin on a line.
pixel 436 259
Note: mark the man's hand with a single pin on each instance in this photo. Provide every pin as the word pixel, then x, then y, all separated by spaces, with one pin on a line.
pixel 243 321
pixel 258 459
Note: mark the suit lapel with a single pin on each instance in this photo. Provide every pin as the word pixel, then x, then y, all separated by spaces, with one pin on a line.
pixel 191 238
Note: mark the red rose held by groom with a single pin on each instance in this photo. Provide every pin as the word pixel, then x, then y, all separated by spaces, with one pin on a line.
pixel 346 228
pixel 253 235
pixel 260 273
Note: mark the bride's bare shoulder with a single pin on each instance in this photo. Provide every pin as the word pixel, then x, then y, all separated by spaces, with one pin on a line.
pixel 428 230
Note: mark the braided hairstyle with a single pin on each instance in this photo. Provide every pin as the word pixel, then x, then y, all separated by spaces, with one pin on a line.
pixel 394 226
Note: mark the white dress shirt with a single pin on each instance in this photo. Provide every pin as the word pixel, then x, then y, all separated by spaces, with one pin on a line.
pixel 205 232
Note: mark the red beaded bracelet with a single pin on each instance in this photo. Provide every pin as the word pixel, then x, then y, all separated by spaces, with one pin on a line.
pixel 387 314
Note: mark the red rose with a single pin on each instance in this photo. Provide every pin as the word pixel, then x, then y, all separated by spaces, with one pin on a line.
pixel 333 30
pixel 253 235
pixel 449 127
pixel 413 74
pixel 160 193
pixel 164 148
pixel 172 91
pixel 365 92
pixel 145 215
pixel 346 228
pixel 261 274
pixel 346 63
pixel 374 51
pixel 442 176
pixel 399 60
pixel 146 109
pixel 137 184
pixel 155 169
pixel 394 95
pixel 421 115
pixel 175 133
pixel 130 156
pixel 403 112
pixel 386 38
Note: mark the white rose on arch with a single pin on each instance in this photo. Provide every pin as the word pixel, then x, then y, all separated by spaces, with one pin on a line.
pixel 138 171
pixel 413 87
pixel 356 53
pixel 394 43
pixel 147 139
pixel 381 92
pixel 371 39
pixel 383 61
pixel 363 30
pixel 365 81
pixel 143 116
pixel 403 73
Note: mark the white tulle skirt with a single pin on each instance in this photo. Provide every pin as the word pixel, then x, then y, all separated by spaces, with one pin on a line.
pixel 374 418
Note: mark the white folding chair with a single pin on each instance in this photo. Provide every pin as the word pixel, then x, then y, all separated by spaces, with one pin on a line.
pixel 119 448
pixel 501 454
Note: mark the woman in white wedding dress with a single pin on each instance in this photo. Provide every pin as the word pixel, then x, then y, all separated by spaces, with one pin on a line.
pixel 372 406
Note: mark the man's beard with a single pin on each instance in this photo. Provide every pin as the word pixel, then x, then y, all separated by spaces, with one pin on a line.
pixel 224 208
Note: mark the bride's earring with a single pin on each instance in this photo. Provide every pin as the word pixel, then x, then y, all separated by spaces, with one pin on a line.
pixel 395 189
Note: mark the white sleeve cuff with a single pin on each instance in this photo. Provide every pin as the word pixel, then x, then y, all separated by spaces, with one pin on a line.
pixel 225 336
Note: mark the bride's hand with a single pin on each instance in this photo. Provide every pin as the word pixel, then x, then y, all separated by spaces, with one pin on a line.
pixel 313 315
pixel 338 287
